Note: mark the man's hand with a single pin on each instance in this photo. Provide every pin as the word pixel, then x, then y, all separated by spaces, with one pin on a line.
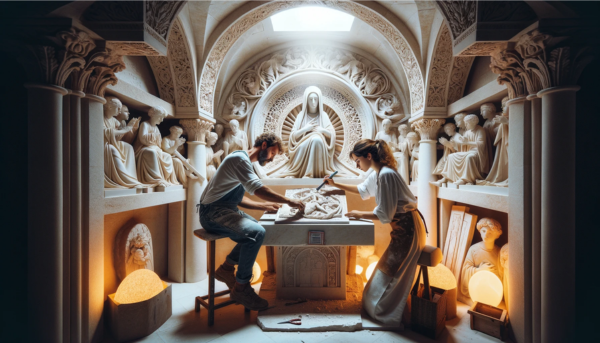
pixel 296 203
pixel 354 215
pixel 271 206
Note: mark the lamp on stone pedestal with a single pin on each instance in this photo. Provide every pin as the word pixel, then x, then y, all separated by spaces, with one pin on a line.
pixel 142 303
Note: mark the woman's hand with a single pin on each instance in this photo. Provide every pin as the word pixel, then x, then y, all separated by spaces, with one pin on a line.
pixel 329 181
pixel 271 206
pixel 354 215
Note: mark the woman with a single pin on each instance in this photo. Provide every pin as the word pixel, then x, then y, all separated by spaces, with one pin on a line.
pixel 386 292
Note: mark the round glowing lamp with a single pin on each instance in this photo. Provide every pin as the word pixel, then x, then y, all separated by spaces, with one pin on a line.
pixel 485 287
pixel 371 269
pixel 140 285
pixel 359 269
pixel 255 273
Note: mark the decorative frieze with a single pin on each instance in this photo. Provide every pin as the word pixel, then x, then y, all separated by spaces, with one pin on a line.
pixel 440 69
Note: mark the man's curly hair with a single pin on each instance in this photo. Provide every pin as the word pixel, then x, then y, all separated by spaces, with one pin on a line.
pixel 272 140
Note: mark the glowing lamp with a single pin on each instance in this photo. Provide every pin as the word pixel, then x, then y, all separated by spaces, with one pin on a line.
pixel 485 287
pixel 371 269
pixel 359 269
pixel 255 273
pixel 140 306
pixel 140 285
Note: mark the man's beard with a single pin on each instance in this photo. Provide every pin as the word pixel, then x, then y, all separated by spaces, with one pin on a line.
pixel 262 157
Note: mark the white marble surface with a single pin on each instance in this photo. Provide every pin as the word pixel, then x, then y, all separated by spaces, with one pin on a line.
pixel 357 232
pixel 486 200
pixel 119 192
pixel 485 189
pixel 137 201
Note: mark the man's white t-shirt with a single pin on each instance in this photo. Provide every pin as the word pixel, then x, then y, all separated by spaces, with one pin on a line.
pixel 391 193
pixel 235 169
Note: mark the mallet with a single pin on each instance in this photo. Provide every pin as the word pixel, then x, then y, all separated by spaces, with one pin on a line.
pixel 330 176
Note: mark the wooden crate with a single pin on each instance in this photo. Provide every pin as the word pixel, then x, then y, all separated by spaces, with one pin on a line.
pixel 428 317
pixel 488 319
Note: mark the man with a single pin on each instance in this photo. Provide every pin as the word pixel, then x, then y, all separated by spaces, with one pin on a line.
pixel 219 214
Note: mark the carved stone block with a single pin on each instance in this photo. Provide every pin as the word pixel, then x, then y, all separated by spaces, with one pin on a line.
pixel 133 250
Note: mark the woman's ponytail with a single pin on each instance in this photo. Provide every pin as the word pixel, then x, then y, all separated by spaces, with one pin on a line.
pixel 379 150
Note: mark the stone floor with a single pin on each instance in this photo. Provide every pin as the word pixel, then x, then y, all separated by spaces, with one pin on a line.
pixel 233 325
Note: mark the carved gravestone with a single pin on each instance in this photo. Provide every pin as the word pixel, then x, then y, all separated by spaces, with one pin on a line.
pixel 133 250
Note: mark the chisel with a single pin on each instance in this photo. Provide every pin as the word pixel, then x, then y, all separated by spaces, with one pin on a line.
pixel 330 176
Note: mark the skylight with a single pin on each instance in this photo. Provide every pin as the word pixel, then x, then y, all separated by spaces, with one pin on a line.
pixel 312 19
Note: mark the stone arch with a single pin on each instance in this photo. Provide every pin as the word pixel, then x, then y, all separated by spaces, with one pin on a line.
pixel 441 62
pixel 174 73
pixel 216 56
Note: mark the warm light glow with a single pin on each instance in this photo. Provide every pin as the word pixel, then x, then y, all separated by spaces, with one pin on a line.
pixel 359 269
pixel 140 285
pixel 371 269
pixel 312 19
pixel 255 273
pixel 441 277
pixel 485 287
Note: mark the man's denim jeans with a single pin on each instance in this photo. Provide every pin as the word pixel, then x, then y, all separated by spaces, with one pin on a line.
pixel 224 218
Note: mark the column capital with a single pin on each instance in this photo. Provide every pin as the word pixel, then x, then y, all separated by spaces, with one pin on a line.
pixel 196 129
pixel 428 128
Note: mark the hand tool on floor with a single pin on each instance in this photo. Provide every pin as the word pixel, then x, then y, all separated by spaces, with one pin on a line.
pixel 330 176
pixel 295 321
pixel 296 302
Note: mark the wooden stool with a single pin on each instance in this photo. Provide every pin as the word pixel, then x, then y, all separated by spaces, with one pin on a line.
pixel 211 306
pixel 430 257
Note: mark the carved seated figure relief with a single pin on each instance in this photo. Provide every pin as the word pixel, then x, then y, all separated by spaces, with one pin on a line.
pixel 213 159
pixel 450 147
pixel 312 139
pixel 235 139
pixel 498 175
pixel 122 117
pixel 119 157
pixel 413 150
pixel 403 154
pixel 484 255
pixel 154 166
pixel 467 166
pixel 172 143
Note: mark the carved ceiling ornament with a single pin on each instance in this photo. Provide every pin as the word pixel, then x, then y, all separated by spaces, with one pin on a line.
pixel 428 128
pixel 218 52
pixel 440 70
pixel 161 68
pixel 367 78
pixel 458 78
pixel 460 15
pixel 483 48
pixel 159 15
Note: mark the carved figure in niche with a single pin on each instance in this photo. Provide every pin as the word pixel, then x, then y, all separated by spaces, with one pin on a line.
pixel 154 166
pixel 235 139
pixel 504 265
pixel 119 157
pixel 488 112
pixel 388 135
pixel 172 143
pixel 450 147
pixel 403 153
pixel 459 119
pixel 213 159
pixel 483 255
pixel 312 139
pixel 412 140
pixel 122 117
pixel 466 167
pixel 249 83
pixel 133 250
pixel 236 108
pixel 498 175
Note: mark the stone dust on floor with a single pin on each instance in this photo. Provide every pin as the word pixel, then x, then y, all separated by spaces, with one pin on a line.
pixel 233 325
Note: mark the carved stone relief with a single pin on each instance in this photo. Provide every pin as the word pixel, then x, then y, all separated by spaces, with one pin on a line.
pixel 482 49
pixel 133 250
pixel 440 69
pixel 458 78
pixel 160 15
pixel 460 15
pixel 164 79
pixel 233 33
pixel 311 267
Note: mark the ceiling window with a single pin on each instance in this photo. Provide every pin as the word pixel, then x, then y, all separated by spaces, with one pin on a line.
pixel 312 19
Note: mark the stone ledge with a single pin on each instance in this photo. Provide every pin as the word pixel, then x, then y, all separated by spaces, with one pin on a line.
pixel 497 202
pixel 137 201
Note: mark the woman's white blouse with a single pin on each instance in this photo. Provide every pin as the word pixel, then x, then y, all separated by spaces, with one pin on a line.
pixel 391 193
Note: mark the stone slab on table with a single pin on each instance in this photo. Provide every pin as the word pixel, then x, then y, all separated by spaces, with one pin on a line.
pixel 357 232
pixel 316 315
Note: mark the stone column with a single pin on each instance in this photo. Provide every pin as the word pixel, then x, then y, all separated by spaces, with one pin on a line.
pixel 92 216
pixel 519 217
pixel 45 226
pixel 536 208
pixel 427 193
pixel 558 214
pixel 195 248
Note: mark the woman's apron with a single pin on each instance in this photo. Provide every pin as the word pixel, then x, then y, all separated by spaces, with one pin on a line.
pixel 386 292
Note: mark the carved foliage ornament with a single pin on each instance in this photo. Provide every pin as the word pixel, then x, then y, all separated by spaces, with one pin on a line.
pixel 233 33
pixel 460 14
pixel 428 128
pixel 196 129
pixel 181 63
pixel 160 15
pixel 458 78
pixel 440 69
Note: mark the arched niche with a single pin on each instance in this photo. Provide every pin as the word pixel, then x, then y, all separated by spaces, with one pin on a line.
pixel 349 111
